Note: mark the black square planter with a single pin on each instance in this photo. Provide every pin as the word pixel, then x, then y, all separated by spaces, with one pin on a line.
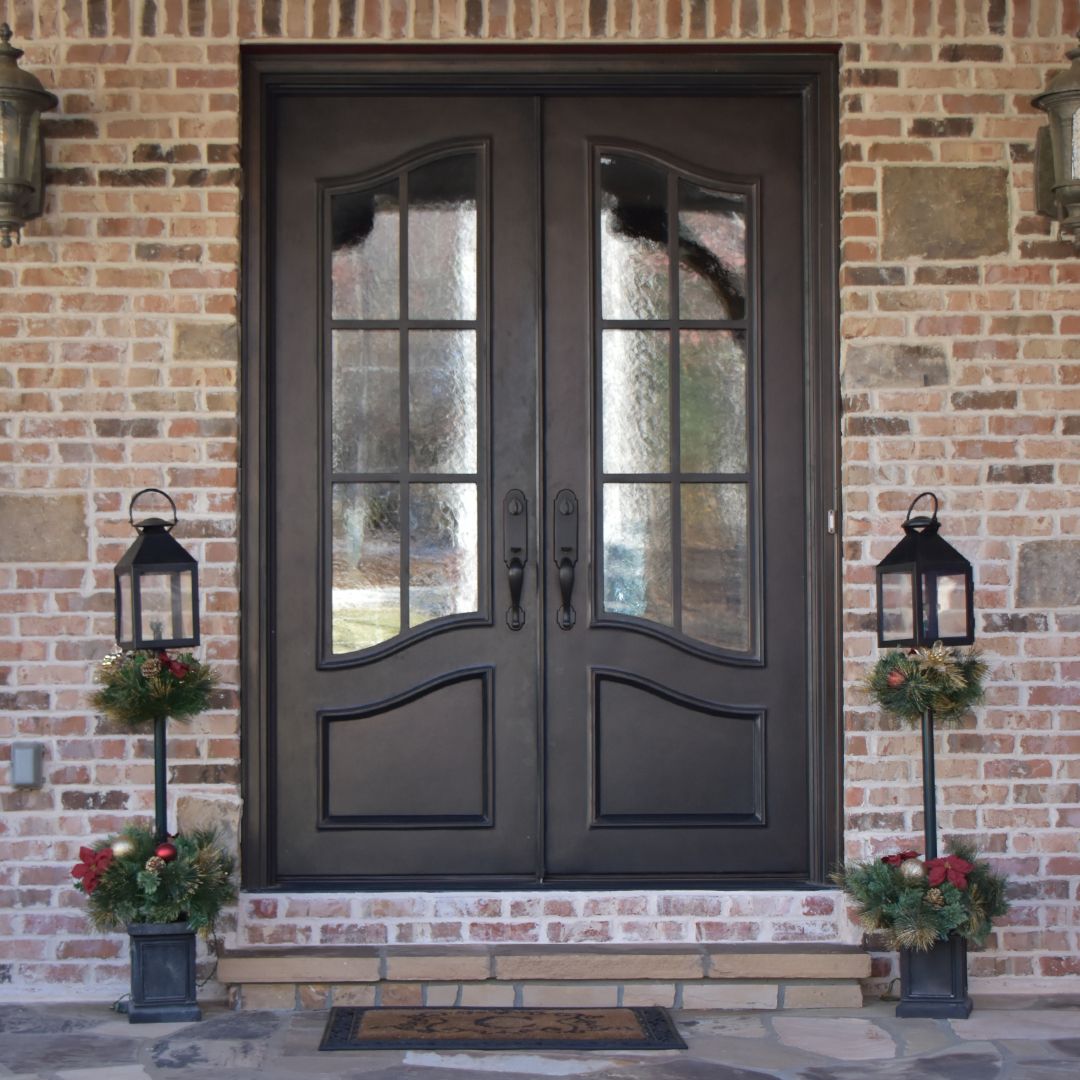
pixel 934 983
pixel 162 973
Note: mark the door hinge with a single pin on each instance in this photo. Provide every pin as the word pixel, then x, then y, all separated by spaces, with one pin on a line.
pixel 831 522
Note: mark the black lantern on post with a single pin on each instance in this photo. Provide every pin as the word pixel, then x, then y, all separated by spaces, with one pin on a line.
pixel 157 587
pixel 925 596
pixel 925 588
pixel 157 608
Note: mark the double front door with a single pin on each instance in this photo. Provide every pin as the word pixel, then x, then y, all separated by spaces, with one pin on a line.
pixel 538 583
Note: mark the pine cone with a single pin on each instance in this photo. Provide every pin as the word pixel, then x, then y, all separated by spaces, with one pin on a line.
pixel 154 864
pixel 935 897
pixel 151 668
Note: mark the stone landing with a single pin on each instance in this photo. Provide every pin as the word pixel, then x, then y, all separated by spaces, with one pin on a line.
pixel 683 977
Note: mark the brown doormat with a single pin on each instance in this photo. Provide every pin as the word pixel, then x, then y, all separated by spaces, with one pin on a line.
pixel 395 1028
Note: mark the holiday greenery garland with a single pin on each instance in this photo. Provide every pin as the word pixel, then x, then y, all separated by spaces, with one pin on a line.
pixel 913 903
pixel 947 681
pixel 134 878
pixel 140 686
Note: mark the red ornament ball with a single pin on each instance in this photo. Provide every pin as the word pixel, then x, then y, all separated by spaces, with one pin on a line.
pixel 895 679
pixel 166 851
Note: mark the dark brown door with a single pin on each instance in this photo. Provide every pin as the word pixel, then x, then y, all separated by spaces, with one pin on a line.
pixel 553 349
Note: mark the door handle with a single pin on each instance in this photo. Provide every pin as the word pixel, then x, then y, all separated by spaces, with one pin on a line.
pixel 515 552
pixel 566 553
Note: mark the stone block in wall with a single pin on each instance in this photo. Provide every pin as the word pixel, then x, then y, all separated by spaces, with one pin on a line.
pixel 206 341
pixel 200 812
pixel 43 528
pixel 888 364
pixel 942 212
pixel 1049 574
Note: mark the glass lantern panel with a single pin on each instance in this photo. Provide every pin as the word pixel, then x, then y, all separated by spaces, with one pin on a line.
pixel 123 622
pixel 952 606
pixel 165 609
pixel 897 615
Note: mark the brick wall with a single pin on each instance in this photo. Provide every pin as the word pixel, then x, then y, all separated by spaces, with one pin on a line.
pixel 119 365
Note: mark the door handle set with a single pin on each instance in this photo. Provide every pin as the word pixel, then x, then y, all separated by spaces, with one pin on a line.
pixel 516 553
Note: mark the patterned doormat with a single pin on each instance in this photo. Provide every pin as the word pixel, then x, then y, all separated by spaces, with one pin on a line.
pixel 395 1028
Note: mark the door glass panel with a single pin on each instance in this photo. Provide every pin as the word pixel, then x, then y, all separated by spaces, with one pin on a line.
pixel 715 564
pixel 636 400
pixel 442 401
pixel 366 390
pixel 712 253
pixel 366 589
pixel 443 238
pixel 637 551
pixel 365 230
pixel 712 401
pixel 444 551
pixel 634 270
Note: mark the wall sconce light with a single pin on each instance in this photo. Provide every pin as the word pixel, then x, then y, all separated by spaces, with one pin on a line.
pixel 22 153
pixel 1057 150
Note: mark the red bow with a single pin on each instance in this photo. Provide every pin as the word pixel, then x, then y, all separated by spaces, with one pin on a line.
pixel 92 866
pixel 176 669
pixel 950 868
pixel 899 857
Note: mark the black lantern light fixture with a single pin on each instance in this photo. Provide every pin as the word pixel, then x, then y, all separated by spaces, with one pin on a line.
pixel 157 587
pixel 22 152
pixel 925 588
pixel 1057 157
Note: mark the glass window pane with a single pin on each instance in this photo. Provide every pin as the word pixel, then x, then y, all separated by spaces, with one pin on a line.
pixel 712 253
pixel 636 402
pixel 364 261
pixel 952 606
pixel 712 401
pixel 442 401
pixel 366 435
pixel 366 588
pixel 442 239
pixel 165 609
pixel 634 272
pixel 637 569
pixel 444 551
pixel 716 565
pixel 897 607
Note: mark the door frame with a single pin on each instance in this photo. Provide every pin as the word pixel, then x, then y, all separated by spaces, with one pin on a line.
pixel 809 71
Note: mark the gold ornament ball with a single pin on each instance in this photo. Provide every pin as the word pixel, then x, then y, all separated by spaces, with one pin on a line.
pixel 123 847
pixel 912 869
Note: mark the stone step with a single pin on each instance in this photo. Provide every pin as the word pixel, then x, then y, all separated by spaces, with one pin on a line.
pixel 683 976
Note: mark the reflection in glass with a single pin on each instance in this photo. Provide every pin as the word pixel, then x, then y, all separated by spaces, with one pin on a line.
pixel 444 551
pixel 712 401
pixel 637 566
pixel 365 395
pixel 952 606
pixel 442 239
pixel 898 606
pixel 442 401
pixel 366 596
pixel 165 607
pixel 636 402
pixel 712 253
pixel 716 565
pixel 634 270
pixel 364 261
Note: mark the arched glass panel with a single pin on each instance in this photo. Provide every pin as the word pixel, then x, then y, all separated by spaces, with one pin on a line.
pixel 675 356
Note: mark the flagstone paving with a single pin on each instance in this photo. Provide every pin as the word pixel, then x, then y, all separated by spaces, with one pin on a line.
pixel 1016 1040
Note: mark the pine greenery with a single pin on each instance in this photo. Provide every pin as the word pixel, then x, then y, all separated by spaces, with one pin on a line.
pixel 948 681
pixel 912 913
pixel 140 887
pixel 140 686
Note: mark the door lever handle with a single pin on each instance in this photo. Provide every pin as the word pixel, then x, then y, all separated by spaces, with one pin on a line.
pixel 566 554
pixel 515 552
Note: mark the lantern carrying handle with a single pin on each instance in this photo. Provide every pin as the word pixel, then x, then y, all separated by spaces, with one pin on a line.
pixel 908 520
pixel 168 525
